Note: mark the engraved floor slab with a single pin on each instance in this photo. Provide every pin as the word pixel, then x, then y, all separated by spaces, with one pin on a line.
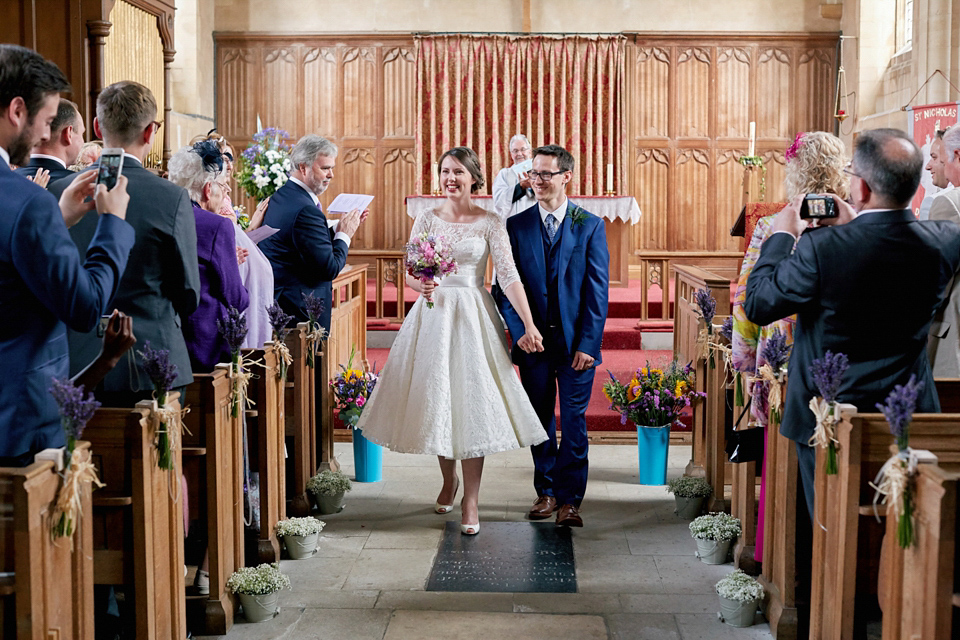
pixel 515 557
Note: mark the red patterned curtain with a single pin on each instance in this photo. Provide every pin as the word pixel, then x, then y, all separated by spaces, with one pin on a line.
pixel 478 91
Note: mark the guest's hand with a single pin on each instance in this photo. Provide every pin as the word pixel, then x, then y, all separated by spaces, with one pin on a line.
pixel 350 222
pixel 789 219
pixel 118 337
pixel 242 255
pixel 258 215
pixel 77 199
pixel 531 341
pixel 845 213
pixel 525 181
pixel 41 177
pixel 582 361
pixel 115 200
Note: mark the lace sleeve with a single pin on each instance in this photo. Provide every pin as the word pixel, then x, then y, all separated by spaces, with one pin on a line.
pixel 420 225
pixel 502 253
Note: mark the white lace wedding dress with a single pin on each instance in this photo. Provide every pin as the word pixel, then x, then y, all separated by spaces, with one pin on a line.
pixel 448 387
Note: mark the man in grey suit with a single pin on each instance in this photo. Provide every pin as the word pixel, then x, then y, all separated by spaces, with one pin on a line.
pixel 944 345
pixel 162 282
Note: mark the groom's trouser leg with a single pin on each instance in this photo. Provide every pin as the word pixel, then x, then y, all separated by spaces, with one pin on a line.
pixel 540 382
pixel 570 470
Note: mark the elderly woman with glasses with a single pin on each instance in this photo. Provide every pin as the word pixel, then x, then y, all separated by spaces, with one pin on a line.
pixel 200 169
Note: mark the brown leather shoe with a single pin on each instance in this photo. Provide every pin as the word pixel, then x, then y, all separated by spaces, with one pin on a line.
pixel 569 516
pixel 542 508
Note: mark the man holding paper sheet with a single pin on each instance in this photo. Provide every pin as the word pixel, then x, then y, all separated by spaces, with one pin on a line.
pixel 307 253
pixel 512 191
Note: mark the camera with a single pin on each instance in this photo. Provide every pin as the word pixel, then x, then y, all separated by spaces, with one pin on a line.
pixel 816 207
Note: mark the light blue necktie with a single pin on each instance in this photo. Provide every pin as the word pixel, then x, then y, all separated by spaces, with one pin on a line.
pixel 551 223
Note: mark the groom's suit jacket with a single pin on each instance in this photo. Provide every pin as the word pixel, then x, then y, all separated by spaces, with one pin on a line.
pixel 868 289
pixel 583 281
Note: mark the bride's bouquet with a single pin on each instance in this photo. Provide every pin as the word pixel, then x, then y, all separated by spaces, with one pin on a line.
pixel 429 257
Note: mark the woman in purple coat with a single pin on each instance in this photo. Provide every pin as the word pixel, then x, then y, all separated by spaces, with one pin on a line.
pixel 200 170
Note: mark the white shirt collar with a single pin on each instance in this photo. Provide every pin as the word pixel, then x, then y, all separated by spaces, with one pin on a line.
pixel 133 157
pixel 5 156
pixel 559 214
pixel 300 184
pixel 46 157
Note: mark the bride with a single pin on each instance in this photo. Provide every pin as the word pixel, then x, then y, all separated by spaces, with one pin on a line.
pixel 448 387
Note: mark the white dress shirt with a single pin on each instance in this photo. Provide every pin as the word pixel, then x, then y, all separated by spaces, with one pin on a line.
pixel 5 156
pixel 46 157
pixel 560 213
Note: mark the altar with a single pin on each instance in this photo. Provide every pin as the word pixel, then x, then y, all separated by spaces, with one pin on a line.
pixel 618 213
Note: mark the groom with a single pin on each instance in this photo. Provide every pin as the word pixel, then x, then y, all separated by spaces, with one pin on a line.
pixel 561 253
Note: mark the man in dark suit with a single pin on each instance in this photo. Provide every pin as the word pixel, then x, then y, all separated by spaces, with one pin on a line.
pixel 60 150
pixel 44 284
pixel 561 253
pixel 840 279
pixel 161 285
pixel 307 253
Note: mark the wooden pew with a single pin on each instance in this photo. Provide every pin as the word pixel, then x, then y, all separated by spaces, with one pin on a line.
pixel 266 427
pixel 46 587
pixel 138 528
pixel 686 328
pixel 213 457
pixel 743 502
pixel 848 543
pixel 300 417
pixel 918 588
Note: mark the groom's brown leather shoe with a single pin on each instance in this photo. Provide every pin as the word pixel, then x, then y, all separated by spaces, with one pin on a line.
pixel 569 516
pixel 542 508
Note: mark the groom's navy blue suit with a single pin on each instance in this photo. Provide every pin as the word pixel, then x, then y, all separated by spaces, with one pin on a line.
pixel 566 282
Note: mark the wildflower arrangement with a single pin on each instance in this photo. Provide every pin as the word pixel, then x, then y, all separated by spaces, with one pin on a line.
pixel 264 166
pixel 258 581
pixel 351 390
pixel 895 478
pixel 75 412
pixel 740 587
pixel 299 527
pixel 243 219
pixel 315 336
pixel 776 353
pixel 162 374
pixel 653 397
pixel 329 483
pixel 718 527
pixel 707 305
pixel 279 321
pixel 827 373
pixel 688 487
pixel 234 329
pixel 429 257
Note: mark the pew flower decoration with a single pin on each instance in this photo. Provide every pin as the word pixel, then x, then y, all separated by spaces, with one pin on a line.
pixel 317 333
pixel 166 421
pixel 827 373
pixel 429 257
pixel 653 397
pixel 233 328
pixel 258 581
pixel 351 390
pixel 279 321
pixel 707 305
pixel 75 412
pixel 895 477
pixel 264 165
pixel 775 352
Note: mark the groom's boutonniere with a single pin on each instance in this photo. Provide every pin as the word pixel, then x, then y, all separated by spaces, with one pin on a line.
pixel 578 216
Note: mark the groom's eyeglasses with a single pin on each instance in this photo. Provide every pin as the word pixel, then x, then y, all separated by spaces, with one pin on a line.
pixel 545 176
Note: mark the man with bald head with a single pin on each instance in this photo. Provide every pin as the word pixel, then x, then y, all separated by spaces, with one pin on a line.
pixel 866 286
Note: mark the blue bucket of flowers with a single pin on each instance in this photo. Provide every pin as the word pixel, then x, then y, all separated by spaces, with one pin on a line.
pixel 652 400
pixel 351 389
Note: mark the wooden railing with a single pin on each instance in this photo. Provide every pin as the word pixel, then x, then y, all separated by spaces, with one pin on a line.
pixel 657 267
pixel 388 270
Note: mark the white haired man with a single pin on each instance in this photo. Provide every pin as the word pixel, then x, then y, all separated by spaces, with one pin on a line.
pixel 943 347
pixel 512 190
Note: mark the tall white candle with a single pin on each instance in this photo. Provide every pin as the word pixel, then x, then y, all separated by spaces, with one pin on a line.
pixel 610 177
pixel 753 139
pixel 435 183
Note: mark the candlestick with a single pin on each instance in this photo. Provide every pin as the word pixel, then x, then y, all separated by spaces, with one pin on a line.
pixel 610 177
pixel 435 184
pixel 753 139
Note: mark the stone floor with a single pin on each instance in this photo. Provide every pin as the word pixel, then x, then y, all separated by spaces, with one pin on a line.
pixel 637 574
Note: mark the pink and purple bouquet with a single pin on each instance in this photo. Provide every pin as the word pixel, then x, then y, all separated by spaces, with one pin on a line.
pixel 429 257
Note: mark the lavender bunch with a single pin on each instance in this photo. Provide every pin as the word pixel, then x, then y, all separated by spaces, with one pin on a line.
pixel 707 304
pixel 75 410
pixel 899 409
pixel 726 330
pixel 827 373
pixel 233 329
pixel 314 307
pixel 279 320
pixel 162 373
pixel 776 351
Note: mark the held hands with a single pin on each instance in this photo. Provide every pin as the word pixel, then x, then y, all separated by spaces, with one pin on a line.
pixel 582 361
pixel 531 341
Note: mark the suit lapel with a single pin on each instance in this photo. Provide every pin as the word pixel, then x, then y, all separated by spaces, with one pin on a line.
pixel 567 240
pixel 532 245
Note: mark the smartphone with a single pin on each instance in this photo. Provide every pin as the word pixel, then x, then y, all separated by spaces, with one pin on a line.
pixel 111 165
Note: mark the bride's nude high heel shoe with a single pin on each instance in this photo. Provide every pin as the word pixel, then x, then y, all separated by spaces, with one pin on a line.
pixel 443 509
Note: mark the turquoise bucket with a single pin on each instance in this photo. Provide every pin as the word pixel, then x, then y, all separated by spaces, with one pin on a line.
pixel 653 444
pixel 367 459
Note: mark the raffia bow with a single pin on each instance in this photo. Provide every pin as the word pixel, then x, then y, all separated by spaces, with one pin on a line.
pixel 724 352
pixel 241 373
pixel 69 506
pixel 168 420
pixel 892 482
pixel 314 338
pixel 774 393
pixel 284 357
pixel 827 415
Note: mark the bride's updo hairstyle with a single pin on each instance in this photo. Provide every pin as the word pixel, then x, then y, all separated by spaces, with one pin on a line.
pixel 468 158
pixel 815 164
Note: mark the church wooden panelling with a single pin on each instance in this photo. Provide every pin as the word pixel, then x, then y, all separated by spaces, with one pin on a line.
pixel 320 101
pixel 650 187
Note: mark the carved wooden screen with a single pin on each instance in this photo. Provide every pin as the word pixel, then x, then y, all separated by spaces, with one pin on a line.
pixel 690 100
pixel 359 91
